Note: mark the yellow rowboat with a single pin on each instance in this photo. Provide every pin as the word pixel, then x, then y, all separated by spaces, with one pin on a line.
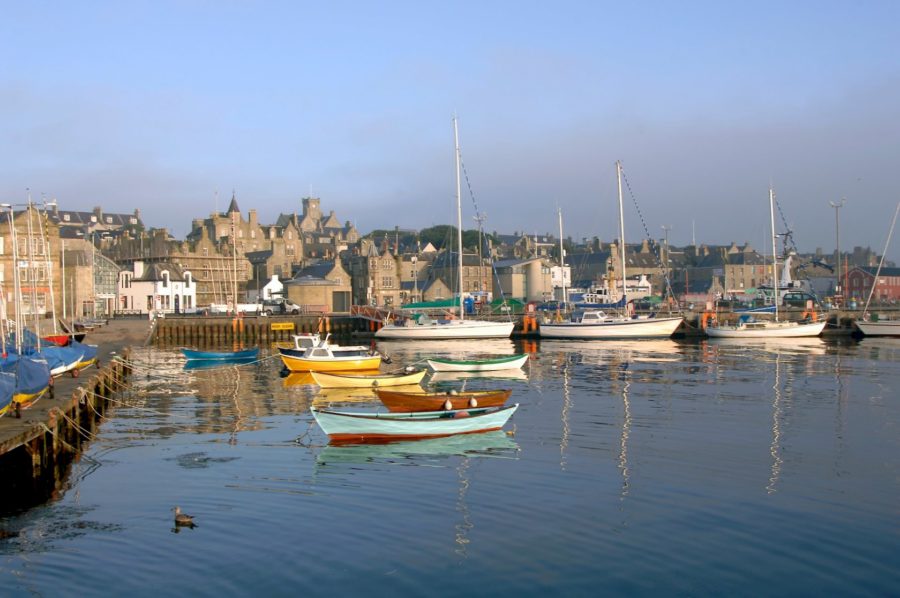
pixel 326 380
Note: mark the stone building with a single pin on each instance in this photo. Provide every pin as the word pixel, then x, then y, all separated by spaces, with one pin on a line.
pixel 375 276
pixel 89 281
pixel 29 263
pixel 325 287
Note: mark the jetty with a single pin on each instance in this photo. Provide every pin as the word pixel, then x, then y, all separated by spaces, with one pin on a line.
pixel 38 447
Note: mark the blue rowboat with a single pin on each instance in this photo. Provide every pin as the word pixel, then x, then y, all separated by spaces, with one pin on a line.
pixel 244 355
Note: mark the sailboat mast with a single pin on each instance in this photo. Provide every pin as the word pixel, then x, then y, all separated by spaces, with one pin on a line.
pixel 881 261
pixel 621 227
pixel 562 257
pixel 234 266
pixel 459 246
pixel 774 255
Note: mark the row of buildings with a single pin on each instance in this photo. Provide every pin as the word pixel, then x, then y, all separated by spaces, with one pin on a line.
pixel 95 264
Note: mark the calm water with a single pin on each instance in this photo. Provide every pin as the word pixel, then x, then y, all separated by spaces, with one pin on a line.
pixel 632 468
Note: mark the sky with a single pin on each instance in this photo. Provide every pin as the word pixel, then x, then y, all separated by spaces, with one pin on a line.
pixel 169 107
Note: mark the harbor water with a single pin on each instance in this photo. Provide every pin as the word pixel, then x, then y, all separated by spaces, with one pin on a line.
pixel 630 468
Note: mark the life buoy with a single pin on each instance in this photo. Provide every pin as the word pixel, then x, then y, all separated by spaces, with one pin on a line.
pixel 706 319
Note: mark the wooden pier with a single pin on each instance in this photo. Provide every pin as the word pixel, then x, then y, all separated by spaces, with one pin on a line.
pixel 38 447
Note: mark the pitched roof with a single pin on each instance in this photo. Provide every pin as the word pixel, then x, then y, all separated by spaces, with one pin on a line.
pixel 233 207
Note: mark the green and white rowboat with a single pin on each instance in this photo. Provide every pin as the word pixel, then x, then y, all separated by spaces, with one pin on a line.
pixel 346 427
pixel 478 365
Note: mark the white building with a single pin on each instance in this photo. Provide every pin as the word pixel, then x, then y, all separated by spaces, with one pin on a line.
pixel 159 287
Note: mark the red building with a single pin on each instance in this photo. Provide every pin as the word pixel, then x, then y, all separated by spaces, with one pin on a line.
pixel 887 288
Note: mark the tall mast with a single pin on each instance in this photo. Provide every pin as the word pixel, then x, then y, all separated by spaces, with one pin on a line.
pixel 234 265
pixel 621 227
pixel 32 274
pixel 562 257
pixel 774 255
pixel 17 281
pixel 880 262
pixel 459 246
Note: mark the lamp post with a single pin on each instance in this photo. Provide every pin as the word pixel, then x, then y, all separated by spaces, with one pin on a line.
pixel 415 260
pixel 666 228
pixel 837 242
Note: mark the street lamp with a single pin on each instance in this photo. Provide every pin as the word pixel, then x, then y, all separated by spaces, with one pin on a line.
pixel 414 261
pixel 837 242
pixel 666 228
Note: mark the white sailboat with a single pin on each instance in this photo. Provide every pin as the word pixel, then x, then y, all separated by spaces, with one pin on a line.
pixel 879 327
pixel 459 328
pixel 749 327
pixel 597 324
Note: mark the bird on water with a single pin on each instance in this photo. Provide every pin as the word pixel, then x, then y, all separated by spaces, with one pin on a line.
pixel 183 519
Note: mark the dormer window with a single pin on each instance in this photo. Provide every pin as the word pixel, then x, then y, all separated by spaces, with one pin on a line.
pixel 66 217
pixel 109 219
pixel 93 219
pixel 132 220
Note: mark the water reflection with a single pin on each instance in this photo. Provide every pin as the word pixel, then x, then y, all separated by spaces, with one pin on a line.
pixel 516 374
pixel 775 447
pixel 496 444
pixel 164 398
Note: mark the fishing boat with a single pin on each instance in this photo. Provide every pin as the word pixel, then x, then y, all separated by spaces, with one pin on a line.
pixel 350 427
pixel 331 358
pixel 878 326
pixel 326 380
pixel 749 327
pixel 477 365
pixel 429 328
pixel 406 402
pixel 245 354
pixel 597 324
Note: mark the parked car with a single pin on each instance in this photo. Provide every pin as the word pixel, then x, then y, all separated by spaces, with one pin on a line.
pixel 799 299
pixel 280 306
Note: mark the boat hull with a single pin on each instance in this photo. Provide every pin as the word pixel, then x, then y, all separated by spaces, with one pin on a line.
pixel 326 380
pixel 477 365
pixel 410 402
pixel 625 328
pixel 447 329
pixel 343 427
pixel 768 330
pixel 223 355
pixel 880 328
pixel 331 364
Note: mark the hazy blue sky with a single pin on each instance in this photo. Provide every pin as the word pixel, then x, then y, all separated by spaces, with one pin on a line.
pixel 156 105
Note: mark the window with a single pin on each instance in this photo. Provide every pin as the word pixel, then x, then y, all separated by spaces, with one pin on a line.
pixel 132 220
pixel 387 282
pixel 109 219
pixel 93 219
pixel 66 217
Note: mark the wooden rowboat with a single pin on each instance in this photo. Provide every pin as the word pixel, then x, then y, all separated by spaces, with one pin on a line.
pixel 221 355
pixel 407 402
pixel 326 380
pixel 345 427
pixel 477 365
